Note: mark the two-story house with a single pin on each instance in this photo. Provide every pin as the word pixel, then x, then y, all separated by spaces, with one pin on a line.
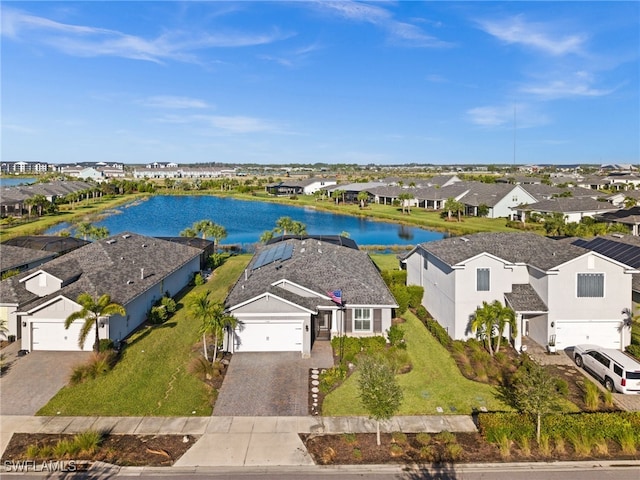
pixel 558 291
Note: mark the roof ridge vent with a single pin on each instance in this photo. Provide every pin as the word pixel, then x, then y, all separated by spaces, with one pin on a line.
pixel 111 241
pixel 126 235
pixel 617 235
pixel 464 239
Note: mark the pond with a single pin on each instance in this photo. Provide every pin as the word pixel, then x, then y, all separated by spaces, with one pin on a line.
pixel 245 221
pixel 11 182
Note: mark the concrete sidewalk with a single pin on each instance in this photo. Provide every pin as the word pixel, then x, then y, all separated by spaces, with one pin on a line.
pixel 234 441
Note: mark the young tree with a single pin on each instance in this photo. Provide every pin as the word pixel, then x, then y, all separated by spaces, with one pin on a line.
pixel 363 198
pixel 483 323
pixel 378 390
pixel 92 311
pixel 533 391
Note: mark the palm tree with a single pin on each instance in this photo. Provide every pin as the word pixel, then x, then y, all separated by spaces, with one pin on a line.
pixel 504 316
pixel 221 321
pixel 337 194
pixel 217 232
pixel 91 312
pixel 266 236
pixel 97 233
pixel 406 198
pixel 483 323
pixel 363 198
pixel 453 205
pixel 84 229
pixel 201 307
pixel 189 233
pixel 284 225
pixel 204 227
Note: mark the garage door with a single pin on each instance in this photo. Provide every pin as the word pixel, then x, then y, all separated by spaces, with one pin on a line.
pixel 269 337
pixel 605 334
pixel 53 336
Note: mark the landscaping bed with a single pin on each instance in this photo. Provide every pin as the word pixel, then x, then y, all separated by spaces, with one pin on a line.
pixel 123 450
pixel 361 448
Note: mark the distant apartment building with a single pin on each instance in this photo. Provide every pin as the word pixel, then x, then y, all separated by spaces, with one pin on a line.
pixel 14 168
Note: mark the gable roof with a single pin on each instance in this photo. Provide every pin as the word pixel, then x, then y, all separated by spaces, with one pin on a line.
pixel 318 266
pixel 15 257
pixel 525 248
pixel 124 266
pixel 570 205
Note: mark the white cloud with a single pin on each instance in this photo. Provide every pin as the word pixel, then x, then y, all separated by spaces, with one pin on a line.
pixel 538 36
pixel 168 101
pixel 403 32
pixel 84 41
pixel 232 124
pixel 580 85
pixel 495 116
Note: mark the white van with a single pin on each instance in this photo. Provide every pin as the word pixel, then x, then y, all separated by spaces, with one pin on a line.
pixel 616 370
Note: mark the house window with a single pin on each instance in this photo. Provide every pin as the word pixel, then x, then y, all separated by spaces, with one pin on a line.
pixel 362 319
pixel 483 280
pixel 591 285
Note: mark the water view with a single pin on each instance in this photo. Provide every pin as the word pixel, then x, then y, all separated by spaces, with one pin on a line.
pixel 166 215
pixel 11 182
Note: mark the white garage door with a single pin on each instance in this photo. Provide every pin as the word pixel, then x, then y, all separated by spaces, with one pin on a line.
pixel 605 334
pixel 269 337
pixel 53 336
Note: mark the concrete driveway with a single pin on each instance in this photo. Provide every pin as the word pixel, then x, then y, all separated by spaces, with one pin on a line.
pixel 31 381
pixel 267 384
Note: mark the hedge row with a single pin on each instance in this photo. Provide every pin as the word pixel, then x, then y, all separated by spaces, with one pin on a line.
pixel 608 425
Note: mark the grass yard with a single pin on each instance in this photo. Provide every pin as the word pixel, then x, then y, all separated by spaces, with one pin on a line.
pixel 434 381
pixel 385 261
pixel 151 377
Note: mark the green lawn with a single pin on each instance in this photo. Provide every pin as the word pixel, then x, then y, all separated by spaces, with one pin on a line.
pixel 434 381
pixel 151 378
pixel 385 261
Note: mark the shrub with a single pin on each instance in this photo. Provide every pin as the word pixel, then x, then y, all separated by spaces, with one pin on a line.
pixel 400 360
pixel 198 280
pixel 608 399
pixel 422 313
pixel 627 441
pixel 202 368
pixel 395 334
pixel 88 442
pixel 428 453
pixel 396 450
pixel 65 448
pixel 562 387
pixel 591 395
pixel 372 345
pixel 446 437
pixel 524 444
pixel 357 453
pixel 394 277
pixel 454 451
pixel 423 438
pixel 544 447
pixel 415 295
pixel 33 451
pixel 350 438
pixel 331 377
pixel 105 344
pixel 79 374
pixel 157 315
pixel 401 294
pixel 504 445
pixel 559 445
pixel 634 351
pixel 399 437
pixel 439 332
pixel 169 304
pixel 347 347
pixel 581 443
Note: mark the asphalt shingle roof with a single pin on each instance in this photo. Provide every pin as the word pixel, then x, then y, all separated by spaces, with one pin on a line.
pixel 526 248
pixel 15 257
pixel 320 267
pixel 523 298
pixel 124 266
pixel 569 204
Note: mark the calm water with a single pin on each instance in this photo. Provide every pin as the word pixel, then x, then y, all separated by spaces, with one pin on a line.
pixel 165 215
pixel 10 182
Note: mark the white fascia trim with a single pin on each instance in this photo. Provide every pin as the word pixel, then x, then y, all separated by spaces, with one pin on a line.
pixel 35 274
pixel 627 268
pixel 483 254
pixel 301 287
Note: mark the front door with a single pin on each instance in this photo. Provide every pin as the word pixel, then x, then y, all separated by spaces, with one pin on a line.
pixel 324 325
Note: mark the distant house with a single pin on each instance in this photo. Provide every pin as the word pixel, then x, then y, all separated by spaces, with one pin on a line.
pixel 560 292
pixel 135 270
pixel 573 209
pixel 308 186
pixel 20 258
pixel 287 298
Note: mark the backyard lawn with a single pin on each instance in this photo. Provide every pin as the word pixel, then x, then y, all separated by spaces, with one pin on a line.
pixel 151 378
pixel 434 381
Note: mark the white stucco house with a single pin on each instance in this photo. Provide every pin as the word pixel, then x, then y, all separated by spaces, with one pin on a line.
pixel 286 298
pixel 134 270
pixel 559 292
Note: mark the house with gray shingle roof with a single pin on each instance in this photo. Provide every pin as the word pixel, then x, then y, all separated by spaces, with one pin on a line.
pixel 307 186
pixel 297 291
pixel 559 292
pixel 134 270
pixel 20 258
pixel 573 209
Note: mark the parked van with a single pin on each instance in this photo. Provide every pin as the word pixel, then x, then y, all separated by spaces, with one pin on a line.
pixel 616 370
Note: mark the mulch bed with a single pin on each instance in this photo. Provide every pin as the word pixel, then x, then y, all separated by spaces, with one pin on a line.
pixel 361 448
pixel 123 450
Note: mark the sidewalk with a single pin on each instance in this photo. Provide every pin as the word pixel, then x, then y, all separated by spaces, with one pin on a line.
pixel 234 441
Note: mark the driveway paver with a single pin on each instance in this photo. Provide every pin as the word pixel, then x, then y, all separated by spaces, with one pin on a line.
pixel 31 381
pixel 265 384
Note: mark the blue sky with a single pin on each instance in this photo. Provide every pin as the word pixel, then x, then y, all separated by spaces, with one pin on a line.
pixel 316 81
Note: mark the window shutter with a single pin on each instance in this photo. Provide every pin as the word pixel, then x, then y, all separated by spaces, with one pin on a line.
pixel 377 320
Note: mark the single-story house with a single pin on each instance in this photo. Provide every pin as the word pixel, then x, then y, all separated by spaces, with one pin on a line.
pixel 297 291
pixel 573 209
pixel 308 186
pixel 20 258
pixel 560 292
pixel 134 270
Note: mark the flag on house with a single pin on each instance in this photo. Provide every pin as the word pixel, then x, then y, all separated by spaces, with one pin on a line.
pixel 336 296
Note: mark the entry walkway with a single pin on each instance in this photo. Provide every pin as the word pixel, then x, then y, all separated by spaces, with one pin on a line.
pixel 235 441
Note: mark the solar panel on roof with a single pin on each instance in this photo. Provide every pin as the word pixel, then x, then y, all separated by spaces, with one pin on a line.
pixel 621 252
pixel 280 252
